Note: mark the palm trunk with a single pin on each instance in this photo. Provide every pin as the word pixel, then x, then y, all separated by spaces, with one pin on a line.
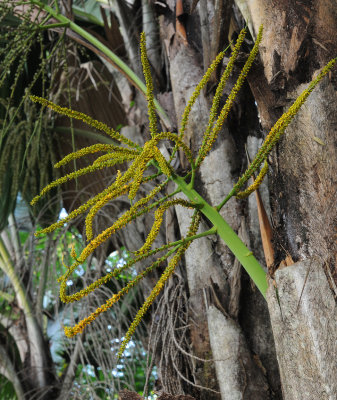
pixel 216 331
pixel 298 41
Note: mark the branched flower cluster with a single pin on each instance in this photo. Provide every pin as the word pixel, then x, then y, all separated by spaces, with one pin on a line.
pixel 127 182
pixel 130 181
pixel 274 135
pixel 257 182
pixel 212 130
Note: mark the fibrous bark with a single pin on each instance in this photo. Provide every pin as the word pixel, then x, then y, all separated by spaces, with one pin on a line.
pixel 303 313
pixel 299 39
pixel 209 264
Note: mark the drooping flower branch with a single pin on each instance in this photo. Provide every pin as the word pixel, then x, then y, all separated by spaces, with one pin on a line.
pixel 129 182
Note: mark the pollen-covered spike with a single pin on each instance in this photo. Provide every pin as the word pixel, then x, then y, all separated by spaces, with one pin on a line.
pixel 150 299
pixel 104 279
pixel 103 236
pixel 207 145
pixel 178 142
pixel 86 119
pixel 116 157
pixel 137 178
pixel 257 182
pixel 280 126
pixel 140 164
pixel 197 90
pixel 149 86
pixel 70 332
pixel 142 202
pixel 117 191
pixel 73 252
pixel 163 165
pixel 87 150
pixel 158 219
pixel 196 218
pixel 127 217
pixel 75 213
pixel 70 176
pixel 222 83
pixel 159 285
pixel 64 278
pixel 287 117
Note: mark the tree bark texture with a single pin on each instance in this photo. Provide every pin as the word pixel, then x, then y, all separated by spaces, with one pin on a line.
pixel 225 326
pixel 299 39
pixel 303 313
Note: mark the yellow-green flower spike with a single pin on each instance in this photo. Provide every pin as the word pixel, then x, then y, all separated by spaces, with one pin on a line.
pixel 73 252
pixel 75 213
pixel 145 200
pixel 108 148
pixel 78 328
pixel 149 86
pixel 116 191
pixel 225 76
pixel 279 128
pixel 179 143
pixel 116 157
pixel 287 117
pixel 209 141
pixel 197 90
pixel 86 119
pixel 158 287
pixel 138 176
pixel 103 280
pixel 162 163
pixel 257 182
pixel 221 86
pixel 126 218
pixel 140 165
pixel 68 177
pixel 158 219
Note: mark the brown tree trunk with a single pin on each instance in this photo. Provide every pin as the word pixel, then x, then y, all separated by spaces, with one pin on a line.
pixel 230 336
pixel 299 39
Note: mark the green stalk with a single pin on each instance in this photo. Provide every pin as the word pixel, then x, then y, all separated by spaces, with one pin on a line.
pixel 224 201
pixel 105 50
pixel 98 137
pixel 7 266
pixel 52 26
pixel 35 337
pixel 235 244
pixel 211 231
